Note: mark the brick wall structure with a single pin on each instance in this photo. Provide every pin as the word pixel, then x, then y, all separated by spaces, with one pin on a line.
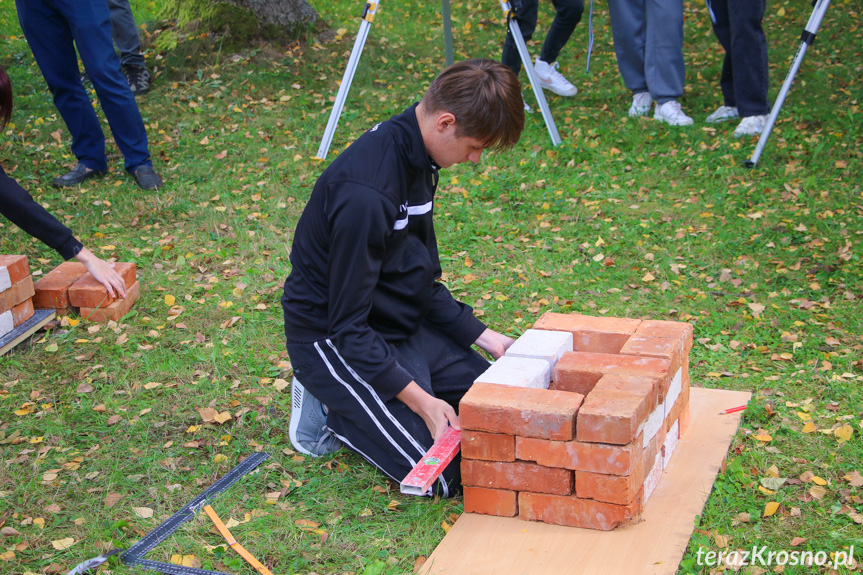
pixel 16 292
pixel 575 424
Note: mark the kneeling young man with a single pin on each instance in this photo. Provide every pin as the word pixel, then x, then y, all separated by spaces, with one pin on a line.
pixel 381 350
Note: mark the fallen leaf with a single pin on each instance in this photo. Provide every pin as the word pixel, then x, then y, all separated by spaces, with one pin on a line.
pixel 9 531
pixel 773 483
pixel 446 527
pixel 393 505
pixel 854 478
pixel 222 417
pixel 818 481
pixel 818 492
pixel 84 388
pixel 756 309
pixel 721 541
pixel 112 499
pixel 797 541
pixel 143 512
pixel 762 436
pixel 220 458
pixel 306 524
pixel 843 433
pixel 169 300
pixel 770 508
pixel 61 544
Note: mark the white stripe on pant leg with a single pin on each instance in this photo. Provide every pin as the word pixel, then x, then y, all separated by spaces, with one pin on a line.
pixel 365 407
pixel 422 450
pixel 350 445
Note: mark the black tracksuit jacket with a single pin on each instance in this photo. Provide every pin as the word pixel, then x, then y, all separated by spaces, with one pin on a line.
pixel 20 207
pixel 365 259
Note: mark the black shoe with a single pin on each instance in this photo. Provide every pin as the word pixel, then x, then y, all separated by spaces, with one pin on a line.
pixel 138 78
pixel 147 178
pixel 78 174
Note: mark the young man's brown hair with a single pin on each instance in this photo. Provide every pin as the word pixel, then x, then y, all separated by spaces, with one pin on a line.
pixel 485 98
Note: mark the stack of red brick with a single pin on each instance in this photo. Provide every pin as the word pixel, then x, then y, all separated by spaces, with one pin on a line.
pixel 589 450
pixel 70 286
pixel 16 293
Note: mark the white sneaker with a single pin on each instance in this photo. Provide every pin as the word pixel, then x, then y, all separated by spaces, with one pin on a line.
pixel 551 79
pixel 750 126
pixel 641 104
pixel 526 106
pixel 671 114
pixel 723 114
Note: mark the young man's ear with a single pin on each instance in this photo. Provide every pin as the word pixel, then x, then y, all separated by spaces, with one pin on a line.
pixel 445 120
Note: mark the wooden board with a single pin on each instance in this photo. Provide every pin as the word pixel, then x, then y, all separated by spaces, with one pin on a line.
pixel 481 544
pixel 25 330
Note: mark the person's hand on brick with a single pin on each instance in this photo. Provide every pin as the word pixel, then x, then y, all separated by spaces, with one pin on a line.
pixel 103 272
pixel 437 414
pixel 494 343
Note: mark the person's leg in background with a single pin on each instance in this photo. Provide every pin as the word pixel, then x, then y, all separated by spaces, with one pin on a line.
pixel 628 30
pixel 89 22
pixel 51 41
pixel 567 16
pixel 749 59
pixel 722 29
pixel 124 31
pixel 663 59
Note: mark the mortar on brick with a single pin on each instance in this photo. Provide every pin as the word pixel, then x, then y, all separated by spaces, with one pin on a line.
pixel 670 444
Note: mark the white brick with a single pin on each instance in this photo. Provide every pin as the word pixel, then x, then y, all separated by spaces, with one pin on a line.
pixel 670 444
pixel 673 391
pixel 542 344
pixel 7 323
pixel 652 478
pixel 518 372
pixel 5 280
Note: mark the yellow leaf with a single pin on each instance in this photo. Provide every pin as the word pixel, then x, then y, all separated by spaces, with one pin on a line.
pixel 818 481
pixel 61 544
pixel 780 12
pixel 446 526
pixel 843 433
pixel 762 436
pixel 804 416
pixel 190 561
pixel 169 300
pixel 468 262
pixel 770 508
pixel 152 385
pixel 818 492
pixel 765 491
pixel 220 458
pixel 222 417
pixel 40 522
pixel 393 505
pixel 143 512
pixel 809 427
pixel 721 541
pixel 108 247
pixel 648 277
pixel 74 322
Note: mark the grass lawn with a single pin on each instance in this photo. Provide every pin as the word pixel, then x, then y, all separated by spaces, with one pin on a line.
pixel 101 433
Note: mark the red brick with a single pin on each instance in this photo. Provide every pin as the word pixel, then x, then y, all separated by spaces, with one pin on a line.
pixel 517 476
pixel 617 489
pixel 89 292
pixel 500 502
pixel 487 446
pixel 115 311
pixel 662 347
pixel 576 512
pixel 683 421
pixel 595 457
pixel 52 291
pixel 22 312
pixel 610 417
pixel 590 333
pixel 520 411
pixel 670 329
pixel 18 293
pixel 16 269
pixel 579 372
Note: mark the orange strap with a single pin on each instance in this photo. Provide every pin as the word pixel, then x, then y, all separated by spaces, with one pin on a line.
pixel 233 543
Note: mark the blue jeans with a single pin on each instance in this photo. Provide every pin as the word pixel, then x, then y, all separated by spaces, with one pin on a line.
pixel 125 33
pixel 744 77
pixel 53 29
pixel 568 15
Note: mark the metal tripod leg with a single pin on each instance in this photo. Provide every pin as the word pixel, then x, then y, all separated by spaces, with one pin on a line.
pixel 531 74
pixel 368 17
pixel 808 37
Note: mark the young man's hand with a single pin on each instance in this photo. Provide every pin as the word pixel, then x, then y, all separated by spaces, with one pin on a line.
pixel 103 272
pixel 437 414
pixel 494 343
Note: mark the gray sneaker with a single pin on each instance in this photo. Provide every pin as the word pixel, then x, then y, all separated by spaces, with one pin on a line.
pixel 308 428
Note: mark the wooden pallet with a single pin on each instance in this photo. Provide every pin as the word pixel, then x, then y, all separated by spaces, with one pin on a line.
pixel 26 329
pixel 481 544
